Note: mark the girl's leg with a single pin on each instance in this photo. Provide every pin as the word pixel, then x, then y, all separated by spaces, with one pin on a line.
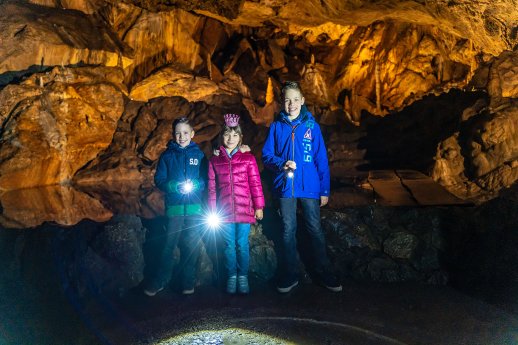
pixel 228 232
pixel 243 248
pixel 243 257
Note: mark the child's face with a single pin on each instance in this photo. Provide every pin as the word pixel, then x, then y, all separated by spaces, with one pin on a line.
pixel 183 134
pixel 231 140
pixel 293 102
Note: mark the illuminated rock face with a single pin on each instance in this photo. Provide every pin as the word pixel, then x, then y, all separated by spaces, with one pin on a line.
pixel 54 123
pixel 482 157
pixel 204 58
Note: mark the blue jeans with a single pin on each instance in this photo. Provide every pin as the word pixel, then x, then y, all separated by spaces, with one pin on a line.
pixel 185 229
pixel 311 212
pixel 237 256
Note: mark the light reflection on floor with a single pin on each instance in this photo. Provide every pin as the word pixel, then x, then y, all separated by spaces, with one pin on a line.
pixel 230 336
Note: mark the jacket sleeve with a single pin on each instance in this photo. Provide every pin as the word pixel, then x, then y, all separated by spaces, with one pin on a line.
pixel 270 160
pixel 211 187
pixel 161 174
pixel 254 182
pixel 321 162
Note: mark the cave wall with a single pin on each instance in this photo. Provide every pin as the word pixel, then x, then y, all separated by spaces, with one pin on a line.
pixel 100 82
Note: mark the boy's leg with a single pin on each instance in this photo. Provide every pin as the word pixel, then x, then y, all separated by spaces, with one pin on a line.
pixel 166 260
pixel 190 252
pixel 243 248
pixel 311 210
pixel 288 211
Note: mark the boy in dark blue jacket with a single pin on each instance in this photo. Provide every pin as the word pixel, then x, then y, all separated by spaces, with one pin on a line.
pixel 295 151
pixel 181 173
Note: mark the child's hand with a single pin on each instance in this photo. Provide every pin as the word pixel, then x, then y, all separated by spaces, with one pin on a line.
pixel 290 165
pixel 244 148
pixel 324 200
pixel 259 214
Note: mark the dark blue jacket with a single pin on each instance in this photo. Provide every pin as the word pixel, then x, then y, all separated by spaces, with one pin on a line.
pixel 175 166
pixel 302 142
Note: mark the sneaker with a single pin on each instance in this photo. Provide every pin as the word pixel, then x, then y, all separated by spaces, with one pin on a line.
pixel 188 291
pixel 330 282
pixel 152 291
pixel 232 284
pixel 287 286
pixel 242 284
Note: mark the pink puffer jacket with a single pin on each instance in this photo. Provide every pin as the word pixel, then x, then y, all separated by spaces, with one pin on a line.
pixel 235 186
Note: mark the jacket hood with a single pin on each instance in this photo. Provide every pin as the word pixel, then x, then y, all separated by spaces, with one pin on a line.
pixel 304 115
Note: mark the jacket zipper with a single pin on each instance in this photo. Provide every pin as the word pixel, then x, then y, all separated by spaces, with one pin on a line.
pixel 293 128
pixel 231 186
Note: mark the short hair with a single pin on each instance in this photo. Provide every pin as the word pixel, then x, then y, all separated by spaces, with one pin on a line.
pixel 291 85
pixel 179 120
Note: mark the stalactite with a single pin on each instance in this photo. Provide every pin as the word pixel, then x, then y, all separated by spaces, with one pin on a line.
pixel 209 66
pixel 378 87
pixel 269 92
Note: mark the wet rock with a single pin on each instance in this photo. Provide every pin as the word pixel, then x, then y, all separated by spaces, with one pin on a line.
pixel 401 245
pixel 114 258
pixel 386 244
pixel 263 260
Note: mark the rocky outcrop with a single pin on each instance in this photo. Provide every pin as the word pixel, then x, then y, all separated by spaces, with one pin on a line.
pixel 54 123
pixel 482 157
pixel 64 205
pixel 387 244
pixel 35 38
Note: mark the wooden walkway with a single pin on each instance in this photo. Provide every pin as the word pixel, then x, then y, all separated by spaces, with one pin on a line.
pixel 410 188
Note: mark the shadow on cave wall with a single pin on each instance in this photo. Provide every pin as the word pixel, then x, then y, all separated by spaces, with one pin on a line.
pixel 409 139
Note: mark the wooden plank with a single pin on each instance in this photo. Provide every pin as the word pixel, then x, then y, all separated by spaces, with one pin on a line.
pixel 387 185
pixel 426 191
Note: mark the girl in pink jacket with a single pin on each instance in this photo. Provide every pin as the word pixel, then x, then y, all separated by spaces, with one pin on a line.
pixel 235 192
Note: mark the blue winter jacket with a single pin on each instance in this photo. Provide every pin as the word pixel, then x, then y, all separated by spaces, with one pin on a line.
pixel 175 166
pixel 302 142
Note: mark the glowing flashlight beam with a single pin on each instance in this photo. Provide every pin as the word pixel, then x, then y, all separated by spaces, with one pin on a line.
pixel 187 187
pixel 213 220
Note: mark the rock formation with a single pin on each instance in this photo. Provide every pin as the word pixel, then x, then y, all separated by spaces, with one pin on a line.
pixel 89 89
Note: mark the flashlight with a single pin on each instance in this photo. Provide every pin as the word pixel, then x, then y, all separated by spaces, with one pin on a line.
pixel 187 187
pixel 213 220
pixel 290 173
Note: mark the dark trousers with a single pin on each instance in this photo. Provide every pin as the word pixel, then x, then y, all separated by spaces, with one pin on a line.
pixel 185 231
pixel 311 213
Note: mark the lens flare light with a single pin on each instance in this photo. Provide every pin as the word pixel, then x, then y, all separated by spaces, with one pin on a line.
pixel 213 220
pixel 187 187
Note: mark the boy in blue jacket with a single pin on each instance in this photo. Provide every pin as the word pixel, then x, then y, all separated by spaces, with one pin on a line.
pixel 181 173
pixel 295 151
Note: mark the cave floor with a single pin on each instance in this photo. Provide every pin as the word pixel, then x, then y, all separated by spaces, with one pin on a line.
pixel 360 314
